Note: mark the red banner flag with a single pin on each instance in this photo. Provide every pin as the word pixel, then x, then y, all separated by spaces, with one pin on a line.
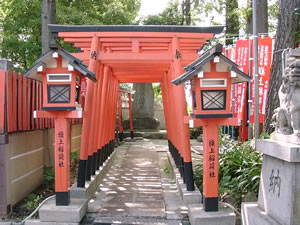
pixel 242 60
pixel 264 68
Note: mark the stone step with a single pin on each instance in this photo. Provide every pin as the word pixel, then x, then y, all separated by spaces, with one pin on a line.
pixel 135 221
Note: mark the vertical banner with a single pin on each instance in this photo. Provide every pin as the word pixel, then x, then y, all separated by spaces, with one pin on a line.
pixel 264 68
pixel 242 60
pixel 229 53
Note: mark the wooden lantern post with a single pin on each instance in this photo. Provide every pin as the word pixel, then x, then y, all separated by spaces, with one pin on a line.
pixel 211 77
pixel 61 74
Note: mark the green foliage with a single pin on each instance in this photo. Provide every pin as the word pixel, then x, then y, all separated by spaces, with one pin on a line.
pixel 167 170
pixel 273 12
pixel 21 23
pixel 74 157
pixel 49 177
pixel 172 15
pixel 32 201
pixel 232 19
pixel 239 171
pixel 264 135
pixel 178 12
pixel 157 92
pixel 195 132
pixel 21 32
pixel 126 86
pixel 297 33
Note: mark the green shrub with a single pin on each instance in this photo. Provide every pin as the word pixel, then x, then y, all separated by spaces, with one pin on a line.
pixel 195 132
pixel 32 201
pixel 264 135
pixel 49 177
pixel 74 157
pixel 239 171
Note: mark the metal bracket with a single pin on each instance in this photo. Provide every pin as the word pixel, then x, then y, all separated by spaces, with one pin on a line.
pixel 94 55
pixel 177 54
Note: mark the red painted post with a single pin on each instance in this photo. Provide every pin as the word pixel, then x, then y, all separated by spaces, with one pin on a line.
pixel 102 113
pixel 110 115
pixel 107 115
pixel 9 101
pixel 62 151
pixel 130 116
pixel 15 101
pixel 181 112
pixel 32 125
pixel 62 159
pixel 120 116
pixel 243 128
pixel 28 118
pixel 97 121
pixel 167 108
pixel 210 165
pixel 92 152
pixel 115 110
pixel 86 161
pixel 20 103
pixel 24 102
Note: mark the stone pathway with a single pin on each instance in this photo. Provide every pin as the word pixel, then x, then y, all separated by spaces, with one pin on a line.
pixel 139 189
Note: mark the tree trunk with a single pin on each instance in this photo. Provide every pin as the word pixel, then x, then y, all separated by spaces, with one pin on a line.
pixel 186 11
pixel 285 38
pixel 232 19
pixel 262 20
pixel 48 17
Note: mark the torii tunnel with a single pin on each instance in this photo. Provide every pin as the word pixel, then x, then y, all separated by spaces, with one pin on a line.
pixel 133 54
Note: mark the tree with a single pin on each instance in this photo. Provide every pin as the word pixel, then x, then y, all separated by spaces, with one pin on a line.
pixel 262 17
pixel 232 19
pixel 287 28
pixel 48 17
pixel 22 37
pixel 172 15
pixel 177 13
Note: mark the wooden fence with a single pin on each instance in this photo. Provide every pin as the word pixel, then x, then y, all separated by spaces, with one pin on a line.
pixel 19 97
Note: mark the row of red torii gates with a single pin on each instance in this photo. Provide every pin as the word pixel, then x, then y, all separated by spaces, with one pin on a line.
pixel 133 54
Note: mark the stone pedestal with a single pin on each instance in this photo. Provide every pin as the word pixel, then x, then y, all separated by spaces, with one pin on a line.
pixel 279 192
pixel 198 216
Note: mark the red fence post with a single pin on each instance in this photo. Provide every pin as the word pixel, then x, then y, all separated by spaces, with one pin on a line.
pixel 9 102
pixel 2 100
pixel 15 101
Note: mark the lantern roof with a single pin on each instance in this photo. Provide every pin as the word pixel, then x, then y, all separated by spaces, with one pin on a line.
pixel 48 57
pixel 197 66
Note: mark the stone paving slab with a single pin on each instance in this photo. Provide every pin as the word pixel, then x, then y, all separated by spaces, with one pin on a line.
pixel 137 187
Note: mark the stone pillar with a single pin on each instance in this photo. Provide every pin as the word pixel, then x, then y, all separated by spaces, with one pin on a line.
pixel 279 191
pixel 143 107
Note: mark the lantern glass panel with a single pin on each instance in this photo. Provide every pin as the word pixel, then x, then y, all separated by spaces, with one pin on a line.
pixel 213 99
pixel 59 77
pixel 59 93
pixel 213 82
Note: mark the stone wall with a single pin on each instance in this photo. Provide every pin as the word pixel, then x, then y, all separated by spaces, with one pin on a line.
pixel 23 156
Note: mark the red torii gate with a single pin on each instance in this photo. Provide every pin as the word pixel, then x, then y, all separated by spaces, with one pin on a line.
pixel 133 54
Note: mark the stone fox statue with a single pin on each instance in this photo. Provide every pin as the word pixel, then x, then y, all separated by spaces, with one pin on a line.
pixel 282 115
pixel 287 116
